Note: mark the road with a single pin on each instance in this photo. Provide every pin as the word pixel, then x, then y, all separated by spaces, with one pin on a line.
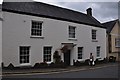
pixel 102 72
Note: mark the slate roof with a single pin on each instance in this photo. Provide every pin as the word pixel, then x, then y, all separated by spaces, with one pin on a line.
pixel 109 25
pixel 49 11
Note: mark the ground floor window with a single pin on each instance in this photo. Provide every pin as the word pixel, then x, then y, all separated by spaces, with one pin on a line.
pixel 47 54
pixel 80 52
pixel 24 54
pixel 98 51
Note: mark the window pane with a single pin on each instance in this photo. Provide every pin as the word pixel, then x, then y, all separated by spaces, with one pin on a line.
pixel 36 29
pixel 47 54
pixel 117 42
pixel 80 52
pixel 98 51
pixel 24 54
pixel 71 32
pixel 93 34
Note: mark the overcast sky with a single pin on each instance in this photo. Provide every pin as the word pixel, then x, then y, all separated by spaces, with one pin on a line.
pixel 103 11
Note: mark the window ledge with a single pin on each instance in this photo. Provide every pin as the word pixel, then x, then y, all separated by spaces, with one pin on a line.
pixel 94 40
pixel 48 62
pixel 74 39
pixel 98 58
pixel 80 59
pixel 25 64
pixel 41 37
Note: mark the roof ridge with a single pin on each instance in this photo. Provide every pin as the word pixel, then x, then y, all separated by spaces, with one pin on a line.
pixel 51 6
pixel 61 7
pixel 50 11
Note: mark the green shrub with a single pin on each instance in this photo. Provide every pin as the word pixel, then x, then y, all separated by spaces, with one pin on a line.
pixel 43 65
pixel 57 65
pixel 10 66
pixel 77 63
pixel 86 62
pixel 57 57
pixel 37 65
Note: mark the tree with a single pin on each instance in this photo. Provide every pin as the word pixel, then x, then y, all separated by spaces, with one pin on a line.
pixel 57 57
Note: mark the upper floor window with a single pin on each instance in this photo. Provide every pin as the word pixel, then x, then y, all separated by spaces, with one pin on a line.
pixel 47 54
pixel 98 51
pixel 36 29
pixel 117 42
pixel 80 52
pixel 94 34
pixel 72 32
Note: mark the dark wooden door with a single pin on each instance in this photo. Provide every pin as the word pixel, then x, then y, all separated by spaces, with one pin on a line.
pixel 67 58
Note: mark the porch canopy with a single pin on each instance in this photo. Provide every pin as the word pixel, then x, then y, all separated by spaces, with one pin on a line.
pixel 67 46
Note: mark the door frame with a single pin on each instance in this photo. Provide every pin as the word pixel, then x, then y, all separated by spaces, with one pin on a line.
pixel 69 57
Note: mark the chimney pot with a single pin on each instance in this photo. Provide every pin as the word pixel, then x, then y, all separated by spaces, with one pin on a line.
pixel 89 11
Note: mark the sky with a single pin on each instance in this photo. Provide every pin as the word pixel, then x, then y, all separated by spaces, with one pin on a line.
pixel 103 10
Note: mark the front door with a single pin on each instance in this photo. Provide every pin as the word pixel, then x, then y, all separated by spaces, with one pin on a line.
pixel 67 58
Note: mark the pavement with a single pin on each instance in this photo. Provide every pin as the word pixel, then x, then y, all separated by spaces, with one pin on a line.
pixel 54 70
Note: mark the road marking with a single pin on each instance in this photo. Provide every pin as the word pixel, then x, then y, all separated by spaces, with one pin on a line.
pixel 75 70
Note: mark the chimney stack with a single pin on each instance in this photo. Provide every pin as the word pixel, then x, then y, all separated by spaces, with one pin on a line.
pixel 89 11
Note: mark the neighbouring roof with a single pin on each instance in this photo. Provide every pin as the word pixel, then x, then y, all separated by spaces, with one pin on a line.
pixel 109 25
pixel 50 11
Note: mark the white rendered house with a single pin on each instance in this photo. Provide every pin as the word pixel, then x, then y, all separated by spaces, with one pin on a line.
pixel 33 31
pixel 0 36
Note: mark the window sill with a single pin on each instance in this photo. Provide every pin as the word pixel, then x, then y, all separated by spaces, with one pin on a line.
pixel 94 40
pixel 48 62
pixel 98 58
pixel 41 37
pixel 80 59
pixel 74 39
pixel 25 64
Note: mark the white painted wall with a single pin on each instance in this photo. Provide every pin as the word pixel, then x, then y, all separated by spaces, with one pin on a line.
pixel 16 32
pixel 0 44
pixel 0 39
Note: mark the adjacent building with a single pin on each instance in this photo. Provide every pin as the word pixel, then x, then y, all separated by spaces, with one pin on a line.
pixel 113 38
pixel 33 31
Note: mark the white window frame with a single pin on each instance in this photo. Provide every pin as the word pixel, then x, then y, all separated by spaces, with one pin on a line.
pixel 72 32
pixel 117 42
pixel 98 51
pixel 80 53
pixel 46 60
pixel 24 63
pixel 94 35
pixel 37 29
